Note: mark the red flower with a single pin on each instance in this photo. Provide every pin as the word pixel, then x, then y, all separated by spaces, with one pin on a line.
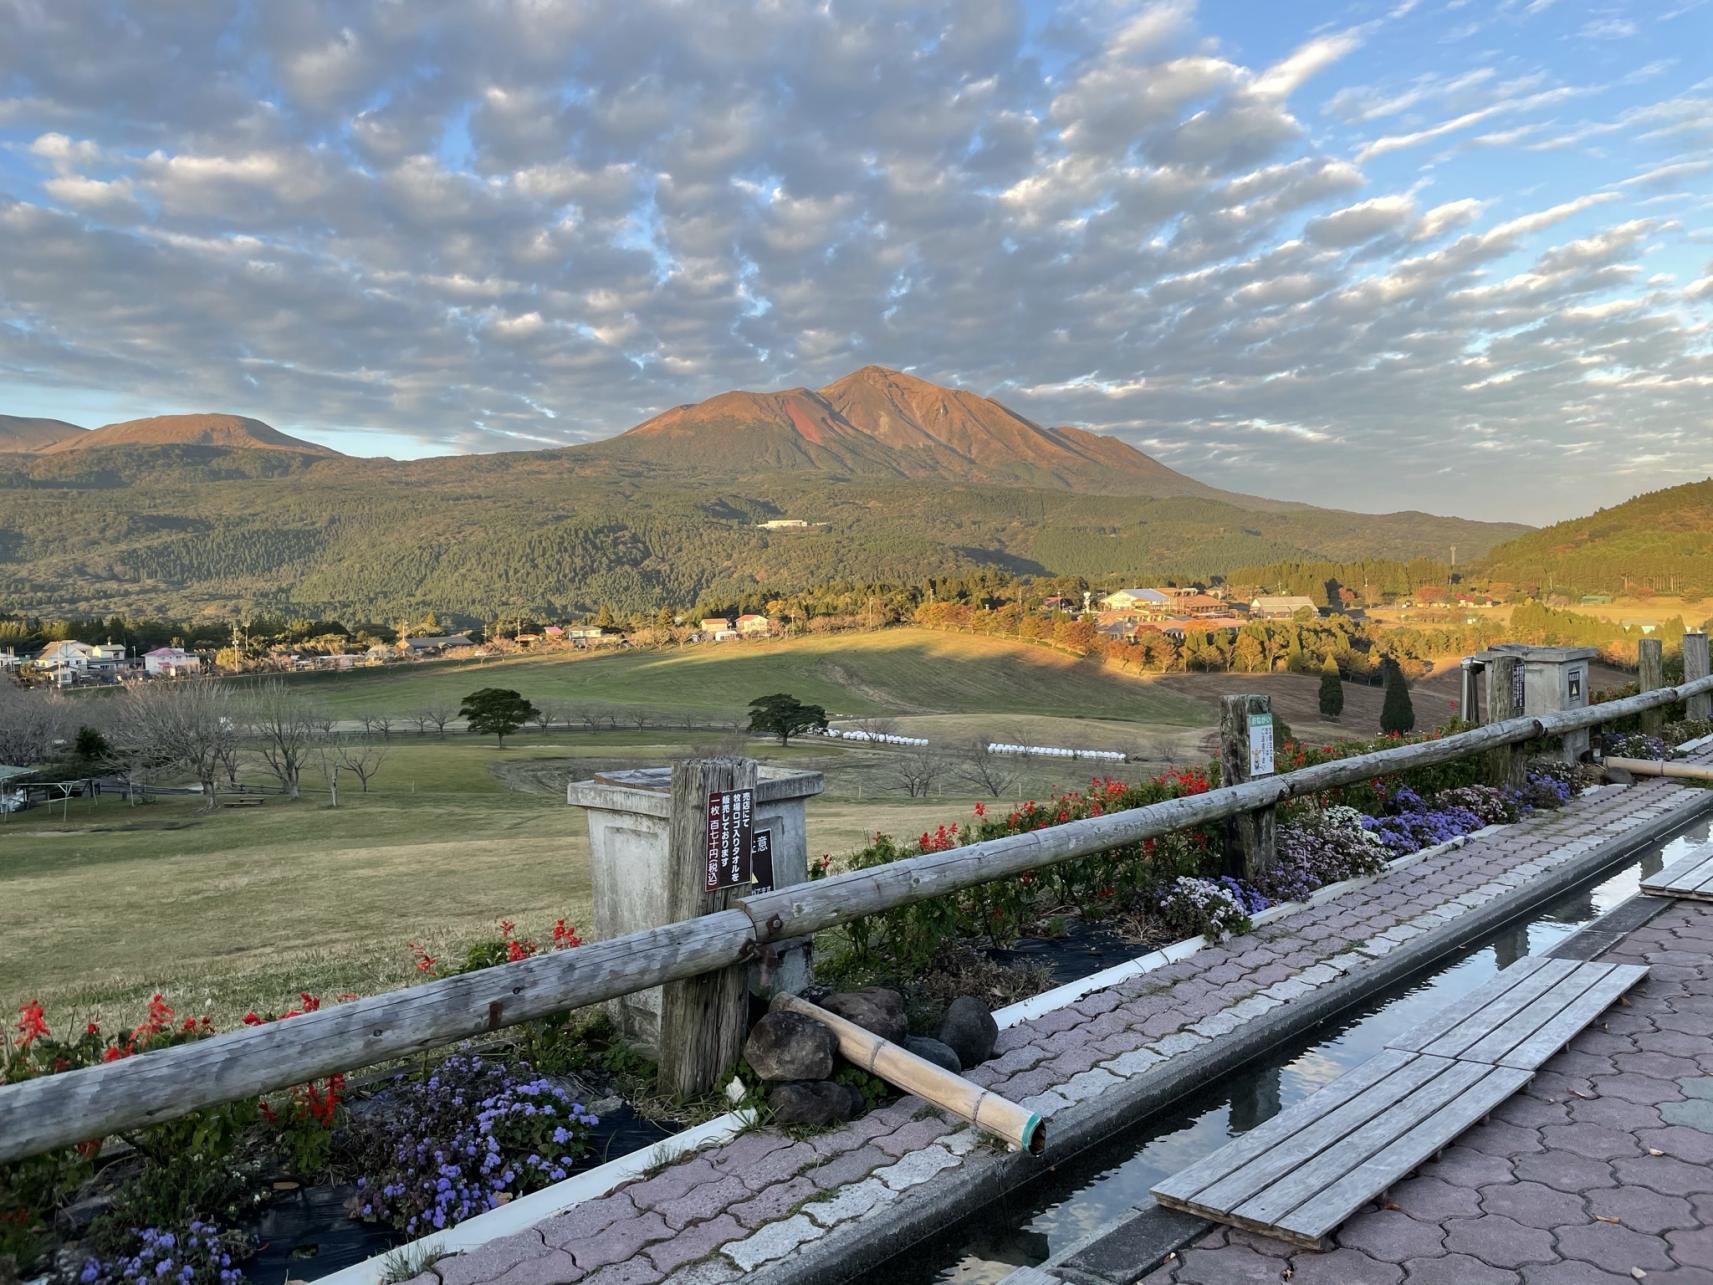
pixel 33 1024
pixel 506 927
pixel 92 1029
pixel 424 961
pixel 565 936
pixel 252 1018
pixel 516 950
pixel 981 809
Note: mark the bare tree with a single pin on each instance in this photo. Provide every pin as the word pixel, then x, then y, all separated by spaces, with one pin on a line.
pixel 642 718
pixel 384 725
pixel 185 726
pixel 439 713
pixel 31 723
pixel 284 727
pixel 592 718
pixel 917 769
pixel 877 725
pixel 983 770
pixel 362 759
pixel 547 713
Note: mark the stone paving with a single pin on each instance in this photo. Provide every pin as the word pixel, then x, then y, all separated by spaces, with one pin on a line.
pixel 1600 1172
pixel 757 1205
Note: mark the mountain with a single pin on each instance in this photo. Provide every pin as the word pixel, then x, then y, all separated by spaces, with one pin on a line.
pixel 21 433
pixel 877 422
pixel 903 481
pixel 1662 540
pixel 227 432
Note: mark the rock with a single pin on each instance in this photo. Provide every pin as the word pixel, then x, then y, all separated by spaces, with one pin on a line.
pixel 74 1219
pixel 859 1104
pixel 810 1102
pixel 939 1054
pixel 969 1029
pixel 788 1046
pixel 873 1009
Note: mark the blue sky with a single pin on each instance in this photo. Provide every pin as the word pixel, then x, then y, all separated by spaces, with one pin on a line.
pixel 1419 254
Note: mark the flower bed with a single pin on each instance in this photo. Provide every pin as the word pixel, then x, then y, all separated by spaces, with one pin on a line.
pixel 201 1199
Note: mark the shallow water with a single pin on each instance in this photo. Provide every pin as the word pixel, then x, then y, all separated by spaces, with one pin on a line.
pixel 1101 1186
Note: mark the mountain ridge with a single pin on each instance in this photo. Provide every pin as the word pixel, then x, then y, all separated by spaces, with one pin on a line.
pixel 208 429
pixel 27 433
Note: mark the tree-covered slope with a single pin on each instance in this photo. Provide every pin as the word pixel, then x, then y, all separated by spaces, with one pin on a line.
pixel 1661 541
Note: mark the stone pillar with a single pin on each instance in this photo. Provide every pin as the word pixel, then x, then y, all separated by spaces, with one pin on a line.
pixel 1695 658
pixel 629 817
pixel 1546 680
pixel 1250 839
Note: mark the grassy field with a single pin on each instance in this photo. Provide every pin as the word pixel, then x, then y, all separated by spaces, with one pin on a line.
pixel 238 908
pixel 895 671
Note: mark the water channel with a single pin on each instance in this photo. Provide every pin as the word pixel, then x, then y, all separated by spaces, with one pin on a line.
pixel 1100 1186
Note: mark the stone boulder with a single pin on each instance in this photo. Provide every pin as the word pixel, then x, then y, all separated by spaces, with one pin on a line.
pixel 941 1055
pixel 969 1030
pixel 788 1046
pixel 872 1008
pixel 813 1102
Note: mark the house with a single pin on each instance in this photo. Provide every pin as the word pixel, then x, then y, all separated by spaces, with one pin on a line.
pixel 170 662
pixel 1201 604
pixel 69 660
pixel 717 629
pixel 586 633
pixel 1281 607
pixel 751 625
pixel 10 661
pixel 1119 628
pixel 1134 599
pixel 435 644
pixel 784 524
pixel 555 632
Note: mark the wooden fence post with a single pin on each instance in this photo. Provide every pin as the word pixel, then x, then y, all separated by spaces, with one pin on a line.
pixel 1250 837
pixel 1650 676
pixel 703 1019
pixel 1505 765
pixel 1695 658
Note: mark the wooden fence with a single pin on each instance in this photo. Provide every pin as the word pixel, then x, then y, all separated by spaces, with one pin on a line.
pixel 60 1110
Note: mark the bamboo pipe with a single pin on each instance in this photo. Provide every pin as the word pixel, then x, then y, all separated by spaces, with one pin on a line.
pixel 1022 1129
pixel 1659 767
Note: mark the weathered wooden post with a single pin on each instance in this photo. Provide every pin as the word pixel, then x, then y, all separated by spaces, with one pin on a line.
pixel 1650 676
pixel 1505 765
pixel 1246 752
pixel 1695 658
pixel 703 1019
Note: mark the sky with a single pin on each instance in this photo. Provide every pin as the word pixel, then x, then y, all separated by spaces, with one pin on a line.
pixel 1454 255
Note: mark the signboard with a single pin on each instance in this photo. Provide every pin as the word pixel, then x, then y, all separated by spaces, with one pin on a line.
pixel 731 836
pixel 1519 686
pixel 1575 678
pixel 761 861
pixel 1260 745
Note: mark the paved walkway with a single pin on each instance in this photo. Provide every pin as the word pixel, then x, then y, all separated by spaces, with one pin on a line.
pixel 767 1208
pixel 1599 1173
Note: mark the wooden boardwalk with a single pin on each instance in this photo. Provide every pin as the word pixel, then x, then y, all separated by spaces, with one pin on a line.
pixel 1692 877
pixel 1304 1172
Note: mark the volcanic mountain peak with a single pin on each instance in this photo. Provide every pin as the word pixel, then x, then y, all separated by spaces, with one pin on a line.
pixel 228 431
pixel 881 421
pixel 24 433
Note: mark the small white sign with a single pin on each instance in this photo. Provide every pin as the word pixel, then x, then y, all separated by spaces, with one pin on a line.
pixel 1260 745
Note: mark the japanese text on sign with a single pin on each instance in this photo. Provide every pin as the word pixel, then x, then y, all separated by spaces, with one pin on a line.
pixel 731 834
pixel 761 861
pixel 1260 745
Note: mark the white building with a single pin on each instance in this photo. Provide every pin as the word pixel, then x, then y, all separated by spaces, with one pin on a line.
pixel 170 662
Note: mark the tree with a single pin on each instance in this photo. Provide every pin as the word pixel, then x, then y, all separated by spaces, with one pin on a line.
pixel 188 726
pixel 284 727
pixel 31 722
pixel 916 770
pixel 1396 713
pixel 495 711
pixel 785 716
pixel 986 771
pixel 1331 690
pixel 362 758
pixel 90 745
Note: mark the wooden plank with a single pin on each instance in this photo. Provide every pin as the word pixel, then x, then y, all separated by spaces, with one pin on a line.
pixel 1690 877
pixel 1443 1020
pixel 1312 1222
pixel 1518 1025
pixel 1184 1184
pixel 1559 1030
pixel 1233 1190
pixel 1304 1183
pixel 1030 1276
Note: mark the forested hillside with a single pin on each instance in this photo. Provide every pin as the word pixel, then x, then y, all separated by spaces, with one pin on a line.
pixel 1661 541
pixel 183 531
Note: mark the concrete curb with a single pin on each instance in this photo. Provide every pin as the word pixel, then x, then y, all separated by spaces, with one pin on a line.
pixel 983 1178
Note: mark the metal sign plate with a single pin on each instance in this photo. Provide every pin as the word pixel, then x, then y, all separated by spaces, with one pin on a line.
pixel 1260 745
pixel 731 837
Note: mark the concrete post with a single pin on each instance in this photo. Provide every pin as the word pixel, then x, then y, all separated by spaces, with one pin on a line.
pixel 1650 676
pixel 1695 658
pixel 1505 765
pixel 1244 753
pixel 630 854
pixel 1469 692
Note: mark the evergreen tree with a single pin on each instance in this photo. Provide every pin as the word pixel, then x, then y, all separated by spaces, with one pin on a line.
pixel 1396 714
pixel 496 711
pixel 785 716
pixel 1331 690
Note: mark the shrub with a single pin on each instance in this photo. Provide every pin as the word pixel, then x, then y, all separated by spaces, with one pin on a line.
pixel 1324 847
pixel 198 1254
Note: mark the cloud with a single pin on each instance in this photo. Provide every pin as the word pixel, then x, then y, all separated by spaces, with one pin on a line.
pixel 481 227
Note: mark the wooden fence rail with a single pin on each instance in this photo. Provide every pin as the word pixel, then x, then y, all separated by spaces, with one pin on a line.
pixel 61 1110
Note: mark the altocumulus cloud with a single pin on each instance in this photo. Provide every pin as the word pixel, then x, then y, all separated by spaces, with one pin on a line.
pixel 1403 257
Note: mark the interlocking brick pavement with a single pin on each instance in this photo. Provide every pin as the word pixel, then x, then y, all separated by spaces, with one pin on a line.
pixel 1601 1170
pixel 759 1199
